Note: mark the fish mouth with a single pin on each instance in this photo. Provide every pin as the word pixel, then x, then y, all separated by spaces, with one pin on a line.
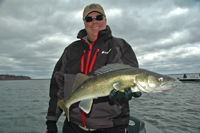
pixel 164 87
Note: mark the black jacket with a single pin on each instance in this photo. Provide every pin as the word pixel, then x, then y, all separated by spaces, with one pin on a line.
pixel 80 57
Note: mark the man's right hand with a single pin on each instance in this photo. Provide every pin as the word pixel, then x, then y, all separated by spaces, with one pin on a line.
pixel 51 127
pixel 127 94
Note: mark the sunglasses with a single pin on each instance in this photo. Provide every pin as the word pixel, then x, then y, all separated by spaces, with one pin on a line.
pixel 98 18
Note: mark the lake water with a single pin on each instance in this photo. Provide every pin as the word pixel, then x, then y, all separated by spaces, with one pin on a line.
pixel 24 104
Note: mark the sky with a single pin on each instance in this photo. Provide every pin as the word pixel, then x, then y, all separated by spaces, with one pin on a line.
pixel 164 34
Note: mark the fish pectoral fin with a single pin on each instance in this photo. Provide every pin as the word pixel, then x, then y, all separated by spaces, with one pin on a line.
pixel 117 86
pixel 86 105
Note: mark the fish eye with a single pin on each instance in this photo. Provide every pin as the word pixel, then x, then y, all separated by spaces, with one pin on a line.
pixel 161 79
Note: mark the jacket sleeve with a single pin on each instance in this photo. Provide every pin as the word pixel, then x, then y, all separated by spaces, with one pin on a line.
pixel 128 55
pixel 56 91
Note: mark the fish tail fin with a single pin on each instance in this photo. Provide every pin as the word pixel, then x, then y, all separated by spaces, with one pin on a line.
pixel 67 113
pixel 61 104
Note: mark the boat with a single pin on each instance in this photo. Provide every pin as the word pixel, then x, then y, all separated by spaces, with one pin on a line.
pixel 138 126
pixel 191 78
pixel 188 79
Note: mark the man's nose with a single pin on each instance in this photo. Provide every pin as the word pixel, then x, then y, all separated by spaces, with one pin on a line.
pixel 94 20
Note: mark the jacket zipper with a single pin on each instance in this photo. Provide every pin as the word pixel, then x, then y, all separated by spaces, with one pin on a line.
pixel 88 60
pixel 86 68
pixel 93 60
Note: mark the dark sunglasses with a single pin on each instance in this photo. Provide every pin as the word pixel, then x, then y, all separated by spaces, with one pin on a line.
pixel 98 18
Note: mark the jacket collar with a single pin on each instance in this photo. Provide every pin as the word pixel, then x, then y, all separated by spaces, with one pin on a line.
pixel 103 34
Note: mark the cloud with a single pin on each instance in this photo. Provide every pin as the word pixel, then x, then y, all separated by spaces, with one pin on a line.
pixel 163 34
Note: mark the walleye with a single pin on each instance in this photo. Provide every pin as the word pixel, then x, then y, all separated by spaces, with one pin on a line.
pixel 113 76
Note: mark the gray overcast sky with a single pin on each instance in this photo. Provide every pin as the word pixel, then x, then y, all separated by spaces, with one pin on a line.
pixel 163 33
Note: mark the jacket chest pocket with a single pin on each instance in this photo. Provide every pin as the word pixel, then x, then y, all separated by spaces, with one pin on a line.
pixel 101 58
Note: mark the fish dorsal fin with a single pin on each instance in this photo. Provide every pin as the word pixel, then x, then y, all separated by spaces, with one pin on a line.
pixel 80 78
pixel 111 67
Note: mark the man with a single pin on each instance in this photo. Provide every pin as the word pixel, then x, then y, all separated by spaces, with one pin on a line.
pixel 96 48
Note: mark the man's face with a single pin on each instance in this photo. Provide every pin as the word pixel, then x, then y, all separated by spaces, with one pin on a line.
pixel 94 26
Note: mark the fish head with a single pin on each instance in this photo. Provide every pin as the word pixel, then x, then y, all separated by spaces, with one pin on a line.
pixel 154 82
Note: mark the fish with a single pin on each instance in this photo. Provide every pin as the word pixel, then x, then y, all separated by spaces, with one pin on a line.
pixel 113 76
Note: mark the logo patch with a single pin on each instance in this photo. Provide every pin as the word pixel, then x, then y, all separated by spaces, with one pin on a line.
pixel 104 52
pixel 92 6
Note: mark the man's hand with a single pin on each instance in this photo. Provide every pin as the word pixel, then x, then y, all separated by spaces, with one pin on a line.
pixel 127 94
pixel 51 127
pixel 136 94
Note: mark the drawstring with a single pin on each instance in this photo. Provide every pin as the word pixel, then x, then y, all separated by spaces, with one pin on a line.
pixel 82 61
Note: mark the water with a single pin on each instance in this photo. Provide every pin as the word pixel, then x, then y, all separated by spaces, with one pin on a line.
pixel 24 104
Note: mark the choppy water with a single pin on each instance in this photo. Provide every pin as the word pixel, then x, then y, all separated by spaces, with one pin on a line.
pixel 24 103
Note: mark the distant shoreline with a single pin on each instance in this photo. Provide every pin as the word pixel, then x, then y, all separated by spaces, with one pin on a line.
pixel 41 79
pixel 14 77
